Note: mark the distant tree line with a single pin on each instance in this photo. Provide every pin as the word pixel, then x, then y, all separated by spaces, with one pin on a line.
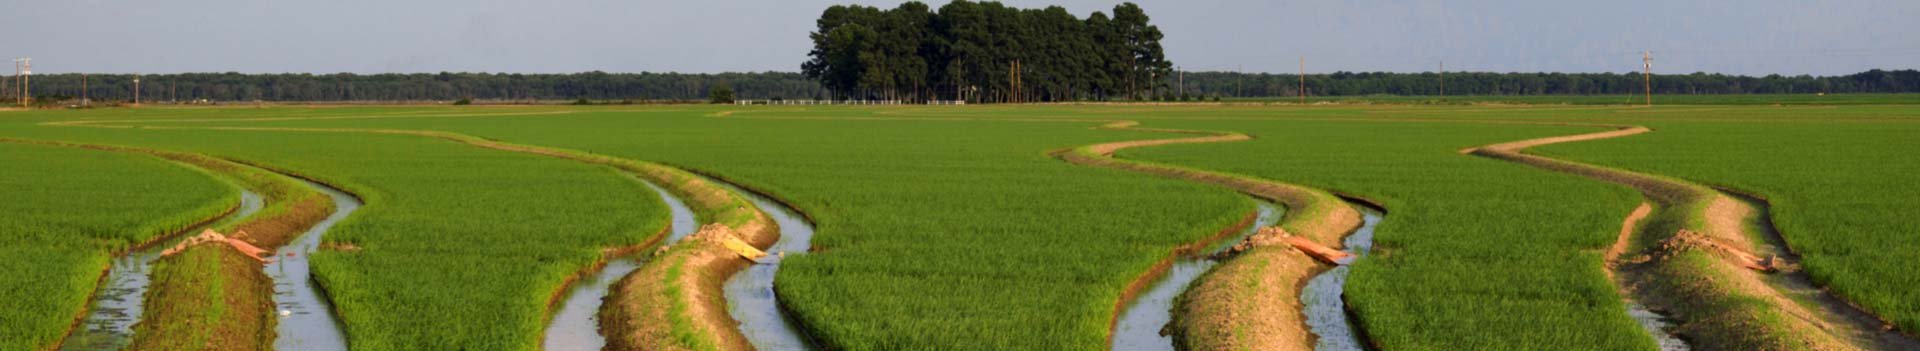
pixel 788 85
pixel 424 86
pixel 986 52
pixel 1228 84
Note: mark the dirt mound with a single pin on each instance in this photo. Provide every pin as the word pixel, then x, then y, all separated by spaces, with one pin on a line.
pixel 1707 274
pixel 1252 300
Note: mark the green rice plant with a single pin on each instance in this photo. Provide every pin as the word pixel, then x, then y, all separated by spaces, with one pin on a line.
pixel 68 211
pixel 931 233
pixel 1477 254
pixel 944 226
pixel 1839 182
pixel 458 247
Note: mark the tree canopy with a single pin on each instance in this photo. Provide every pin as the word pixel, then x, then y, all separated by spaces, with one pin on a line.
pixel 985 52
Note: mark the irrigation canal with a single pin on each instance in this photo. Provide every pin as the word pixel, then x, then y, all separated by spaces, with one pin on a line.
pixel 306 318
pixel 1140 324
pixel 1324 297
pixel 119 301
pixel 577 325
pixel 749 293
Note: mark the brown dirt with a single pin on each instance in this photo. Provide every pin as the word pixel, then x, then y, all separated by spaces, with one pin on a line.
pixel 1145 280
pixel 675 301
pixel 1252 299
pixel 181 316
pixel 104 271
pixel 1720 305
pixel 606 255
pixel 248 323
pixel 245 304
pixel 1250 302
pixel 648 306
pixel 282 229
pixel 1625 240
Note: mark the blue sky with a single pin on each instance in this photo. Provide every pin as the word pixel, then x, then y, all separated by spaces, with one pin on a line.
pixel 374 36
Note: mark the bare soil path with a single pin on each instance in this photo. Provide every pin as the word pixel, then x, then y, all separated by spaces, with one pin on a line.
pixel 1251 301
pixel 1710 259
pixel 672 302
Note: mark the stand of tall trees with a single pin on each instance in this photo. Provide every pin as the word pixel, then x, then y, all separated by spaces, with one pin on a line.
pixel 986 52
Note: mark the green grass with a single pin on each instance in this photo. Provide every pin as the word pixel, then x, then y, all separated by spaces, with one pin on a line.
pixel 1475 254
pixel 1840 181
pixel 67 210
pixel 459 247
pixel 932 233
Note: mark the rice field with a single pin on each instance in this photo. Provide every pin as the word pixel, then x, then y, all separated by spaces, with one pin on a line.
pixel 450 234
pixel 907 209
pixel 1473 245
pixel 955 227
pixel 1839 181
pixel 68 210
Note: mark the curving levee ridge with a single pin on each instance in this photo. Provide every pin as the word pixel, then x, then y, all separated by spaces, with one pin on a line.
pixel 1251 301
pixel 1704 256
pixel 186 299
pixel 675 300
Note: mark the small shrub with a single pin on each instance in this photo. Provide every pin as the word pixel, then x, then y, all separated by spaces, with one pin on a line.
pixel 721 94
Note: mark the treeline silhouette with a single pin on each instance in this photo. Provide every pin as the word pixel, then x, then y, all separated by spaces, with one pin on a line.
pixel 423 86
pixel 1228 84
pixel 796 86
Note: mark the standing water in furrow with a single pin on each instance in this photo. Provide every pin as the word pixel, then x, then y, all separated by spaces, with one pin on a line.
pixel 1323 298
pixel 749 293
pixel 117 303
pixel 1657 325
pixel 577 325
pixel 1140 324
pixel 306 318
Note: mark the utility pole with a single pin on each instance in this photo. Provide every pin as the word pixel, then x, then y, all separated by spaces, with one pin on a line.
pixel 83 90
pixel 1443 80
pixel 136 89
pixel 1646 66
pixel 26 84
pixel 1303 80
pixel 1183 82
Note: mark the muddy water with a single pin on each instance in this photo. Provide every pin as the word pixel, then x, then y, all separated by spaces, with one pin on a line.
pixel 577 325
pixel 749 293
pixel 117 303
pixel 1324 297
pixel 306 318
pixel 1140 324
pixel 1656 325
